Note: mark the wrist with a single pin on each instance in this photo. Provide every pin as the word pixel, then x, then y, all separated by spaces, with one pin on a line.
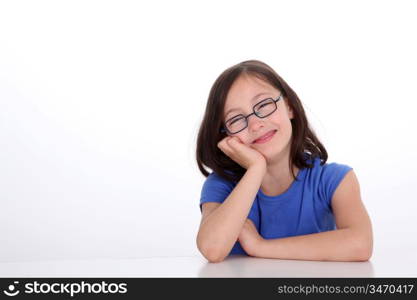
pixel 258 167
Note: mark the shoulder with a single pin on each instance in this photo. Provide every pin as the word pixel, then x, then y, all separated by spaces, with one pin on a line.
pixel 215 189
pixel 214 179
pixel 326 171
pixel 335 169
pixel 326 177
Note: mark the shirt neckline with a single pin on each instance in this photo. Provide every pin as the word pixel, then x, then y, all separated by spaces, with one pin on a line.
pixel 294 184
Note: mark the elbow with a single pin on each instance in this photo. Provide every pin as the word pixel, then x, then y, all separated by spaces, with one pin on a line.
pixel 214 257
pixel 364 248
pixel 365 253
pixel 212 254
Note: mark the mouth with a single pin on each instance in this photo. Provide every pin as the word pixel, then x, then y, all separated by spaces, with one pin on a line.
pixel 265 138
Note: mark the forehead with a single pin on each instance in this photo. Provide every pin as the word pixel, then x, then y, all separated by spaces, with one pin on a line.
pixel 243 91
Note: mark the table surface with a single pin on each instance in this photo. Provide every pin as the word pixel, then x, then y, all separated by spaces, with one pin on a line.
pixel 197 266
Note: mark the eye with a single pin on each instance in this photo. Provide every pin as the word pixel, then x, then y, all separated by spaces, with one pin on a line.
pixel 265 103
pixel 235 120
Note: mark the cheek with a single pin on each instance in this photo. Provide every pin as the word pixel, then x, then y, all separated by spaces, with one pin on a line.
pixel 286 130
pixel 242 138
pixel 284 127
pixel 287 124
pixel 284 123
pixel 284 120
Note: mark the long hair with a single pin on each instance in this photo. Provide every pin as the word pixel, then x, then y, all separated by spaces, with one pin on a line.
pixel 303 142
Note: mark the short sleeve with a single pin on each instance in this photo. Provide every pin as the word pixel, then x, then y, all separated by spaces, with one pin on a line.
pixel 332 175
pixel 215 189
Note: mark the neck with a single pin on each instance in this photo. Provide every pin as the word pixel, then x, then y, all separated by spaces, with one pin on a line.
pixel 278 177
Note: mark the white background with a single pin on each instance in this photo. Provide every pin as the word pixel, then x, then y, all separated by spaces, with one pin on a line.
pixel 100 103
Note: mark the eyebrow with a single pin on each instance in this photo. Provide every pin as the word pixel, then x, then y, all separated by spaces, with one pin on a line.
pixel 255 97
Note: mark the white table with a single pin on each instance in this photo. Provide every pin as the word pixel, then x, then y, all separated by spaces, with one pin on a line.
pixel 197 266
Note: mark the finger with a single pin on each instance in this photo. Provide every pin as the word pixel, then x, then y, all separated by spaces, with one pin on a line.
pixel 236 144
pixel 221 144
pixel 224 146
pixel 223 141
pixel 250 223
pixel 233 141
pixel 248 220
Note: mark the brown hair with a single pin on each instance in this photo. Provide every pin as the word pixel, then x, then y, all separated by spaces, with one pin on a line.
pixel 303 141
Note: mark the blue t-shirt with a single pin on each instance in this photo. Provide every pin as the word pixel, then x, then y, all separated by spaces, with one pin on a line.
pixel 304 208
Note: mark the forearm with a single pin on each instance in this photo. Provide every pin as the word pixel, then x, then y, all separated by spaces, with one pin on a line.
pixel 336 245
pixel 221 228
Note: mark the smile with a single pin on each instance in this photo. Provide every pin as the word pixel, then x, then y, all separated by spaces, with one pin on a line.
pixel 265 138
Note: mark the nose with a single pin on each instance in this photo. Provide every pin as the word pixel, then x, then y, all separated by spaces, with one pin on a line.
pixel 255 123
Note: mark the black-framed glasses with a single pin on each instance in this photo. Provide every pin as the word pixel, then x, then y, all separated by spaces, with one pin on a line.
pixel 239 122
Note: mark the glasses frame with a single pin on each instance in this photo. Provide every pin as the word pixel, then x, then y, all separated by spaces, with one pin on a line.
pixel 224 129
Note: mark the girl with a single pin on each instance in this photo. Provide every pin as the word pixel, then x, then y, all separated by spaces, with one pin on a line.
pixel 271 193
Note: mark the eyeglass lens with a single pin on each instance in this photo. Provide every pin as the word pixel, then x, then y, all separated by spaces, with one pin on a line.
pixel 262 110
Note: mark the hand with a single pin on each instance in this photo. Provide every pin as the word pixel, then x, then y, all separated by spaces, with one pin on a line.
pixel 249 238
pixel 242 154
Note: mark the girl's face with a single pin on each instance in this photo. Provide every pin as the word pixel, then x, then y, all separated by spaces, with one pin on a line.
pixel 247 91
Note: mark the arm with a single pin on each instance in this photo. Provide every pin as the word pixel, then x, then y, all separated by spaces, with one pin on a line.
pixel 221 225
pixel 352 241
